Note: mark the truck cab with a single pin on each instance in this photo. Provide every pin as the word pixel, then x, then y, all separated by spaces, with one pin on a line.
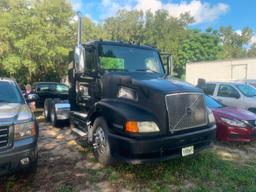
pixel 126 105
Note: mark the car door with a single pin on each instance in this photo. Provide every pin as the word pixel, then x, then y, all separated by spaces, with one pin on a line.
pixel 228 95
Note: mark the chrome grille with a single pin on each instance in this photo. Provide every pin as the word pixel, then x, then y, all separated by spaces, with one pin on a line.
pixel 186 110
pixel 4 136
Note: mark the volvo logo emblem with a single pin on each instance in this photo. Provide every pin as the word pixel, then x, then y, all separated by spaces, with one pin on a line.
pixel 188 111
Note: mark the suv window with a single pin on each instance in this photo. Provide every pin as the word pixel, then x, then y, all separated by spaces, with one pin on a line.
pixel 9 93
pixel 208 88
pixel 227 91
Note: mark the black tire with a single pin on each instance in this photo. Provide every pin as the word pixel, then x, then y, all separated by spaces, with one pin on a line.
pixel 101 147
pixel 53 117
pixel 47 110
pixel 32 168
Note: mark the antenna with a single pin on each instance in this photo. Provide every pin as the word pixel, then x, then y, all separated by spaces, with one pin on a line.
pixel 79 28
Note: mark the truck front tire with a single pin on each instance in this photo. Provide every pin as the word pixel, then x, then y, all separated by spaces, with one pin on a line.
pixel 100 142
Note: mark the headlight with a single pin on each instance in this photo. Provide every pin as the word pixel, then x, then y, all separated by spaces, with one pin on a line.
pixel 24 130
pixel 211 117
pixel 141 127
pixel 233 122
pixel 128 93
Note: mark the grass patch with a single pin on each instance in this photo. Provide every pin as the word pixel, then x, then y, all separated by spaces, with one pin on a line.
pixel 203 172
pixel 7 184
pixel 65 188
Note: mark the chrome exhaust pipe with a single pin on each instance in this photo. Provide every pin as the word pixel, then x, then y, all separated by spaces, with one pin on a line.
pixel 79 28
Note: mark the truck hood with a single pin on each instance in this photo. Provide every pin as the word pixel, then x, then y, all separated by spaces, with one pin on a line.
pixel 150 81
pixel 168 85
pixel 11 112
pixel 234 113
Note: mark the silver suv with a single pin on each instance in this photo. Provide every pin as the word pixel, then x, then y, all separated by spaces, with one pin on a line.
pixel 232 94
pixel 18 130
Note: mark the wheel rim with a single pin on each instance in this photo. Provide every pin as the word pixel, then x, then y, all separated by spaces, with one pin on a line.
pixel 99 141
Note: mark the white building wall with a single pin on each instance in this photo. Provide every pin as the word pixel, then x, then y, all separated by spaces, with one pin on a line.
pixel 225 70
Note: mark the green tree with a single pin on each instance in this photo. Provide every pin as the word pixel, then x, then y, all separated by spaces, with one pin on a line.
pixel 234 44
pixel 198 46
pixel 252 50
pixel 92 31
pixel 37 36
pixel 125 26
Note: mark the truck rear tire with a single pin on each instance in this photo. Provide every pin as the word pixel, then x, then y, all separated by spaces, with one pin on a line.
pixel 101 147
pixel 54 120
pixel 47 110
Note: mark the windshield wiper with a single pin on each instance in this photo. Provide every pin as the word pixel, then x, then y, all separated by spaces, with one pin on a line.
pixel 147 69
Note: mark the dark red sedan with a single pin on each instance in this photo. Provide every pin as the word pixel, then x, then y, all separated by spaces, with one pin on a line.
pixel 233 124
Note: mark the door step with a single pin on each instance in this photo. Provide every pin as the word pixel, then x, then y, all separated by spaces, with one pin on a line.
pixel 83 115
pixel 79 132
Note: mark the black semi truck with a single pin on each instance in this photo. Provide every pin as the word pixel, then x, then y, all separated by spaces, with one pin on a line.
pixel 124 103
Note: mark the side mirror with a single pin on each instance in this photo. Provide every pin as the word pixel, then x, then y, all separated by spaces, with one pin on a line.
pixel 79 59
pixel 170 65
pixel 167 62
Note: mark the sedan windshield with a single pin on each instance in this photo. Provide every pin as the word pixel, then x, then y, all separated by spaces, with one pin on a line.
pixel 9 93
pixel 212 103
pixel 247 90
pixel 130 59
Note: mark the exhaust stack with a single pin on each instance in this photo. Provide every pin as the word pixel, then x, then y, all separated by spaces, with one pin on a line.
pixel 79 28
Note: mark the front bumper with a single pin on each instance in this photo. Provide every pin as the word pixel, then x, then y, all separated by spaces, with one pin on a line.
pixel 240 134
pixel 10 158
pixel 158 149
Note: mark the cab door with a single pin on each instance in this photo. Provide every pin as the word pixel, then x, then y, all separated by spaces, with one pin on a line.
pixel 228 95
pixel 86 82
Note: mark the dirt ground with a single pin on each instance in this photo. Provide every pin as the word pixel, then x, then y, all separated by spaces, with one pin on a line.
pixel 62 163
pixel 65 164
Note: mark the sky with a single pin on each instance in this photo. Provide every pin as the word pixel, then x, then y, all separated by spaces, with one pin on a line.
pixel 207 13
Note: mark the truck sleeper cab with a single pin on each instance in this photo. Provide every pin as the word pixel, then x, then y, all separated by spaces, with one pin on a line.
pixel 128 108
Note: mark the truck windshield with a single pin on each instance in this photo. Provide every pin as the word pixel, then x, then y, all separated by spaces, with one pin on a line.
pixel 212 103
pixel 9 93
pixel 247 90
pixel 129 59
